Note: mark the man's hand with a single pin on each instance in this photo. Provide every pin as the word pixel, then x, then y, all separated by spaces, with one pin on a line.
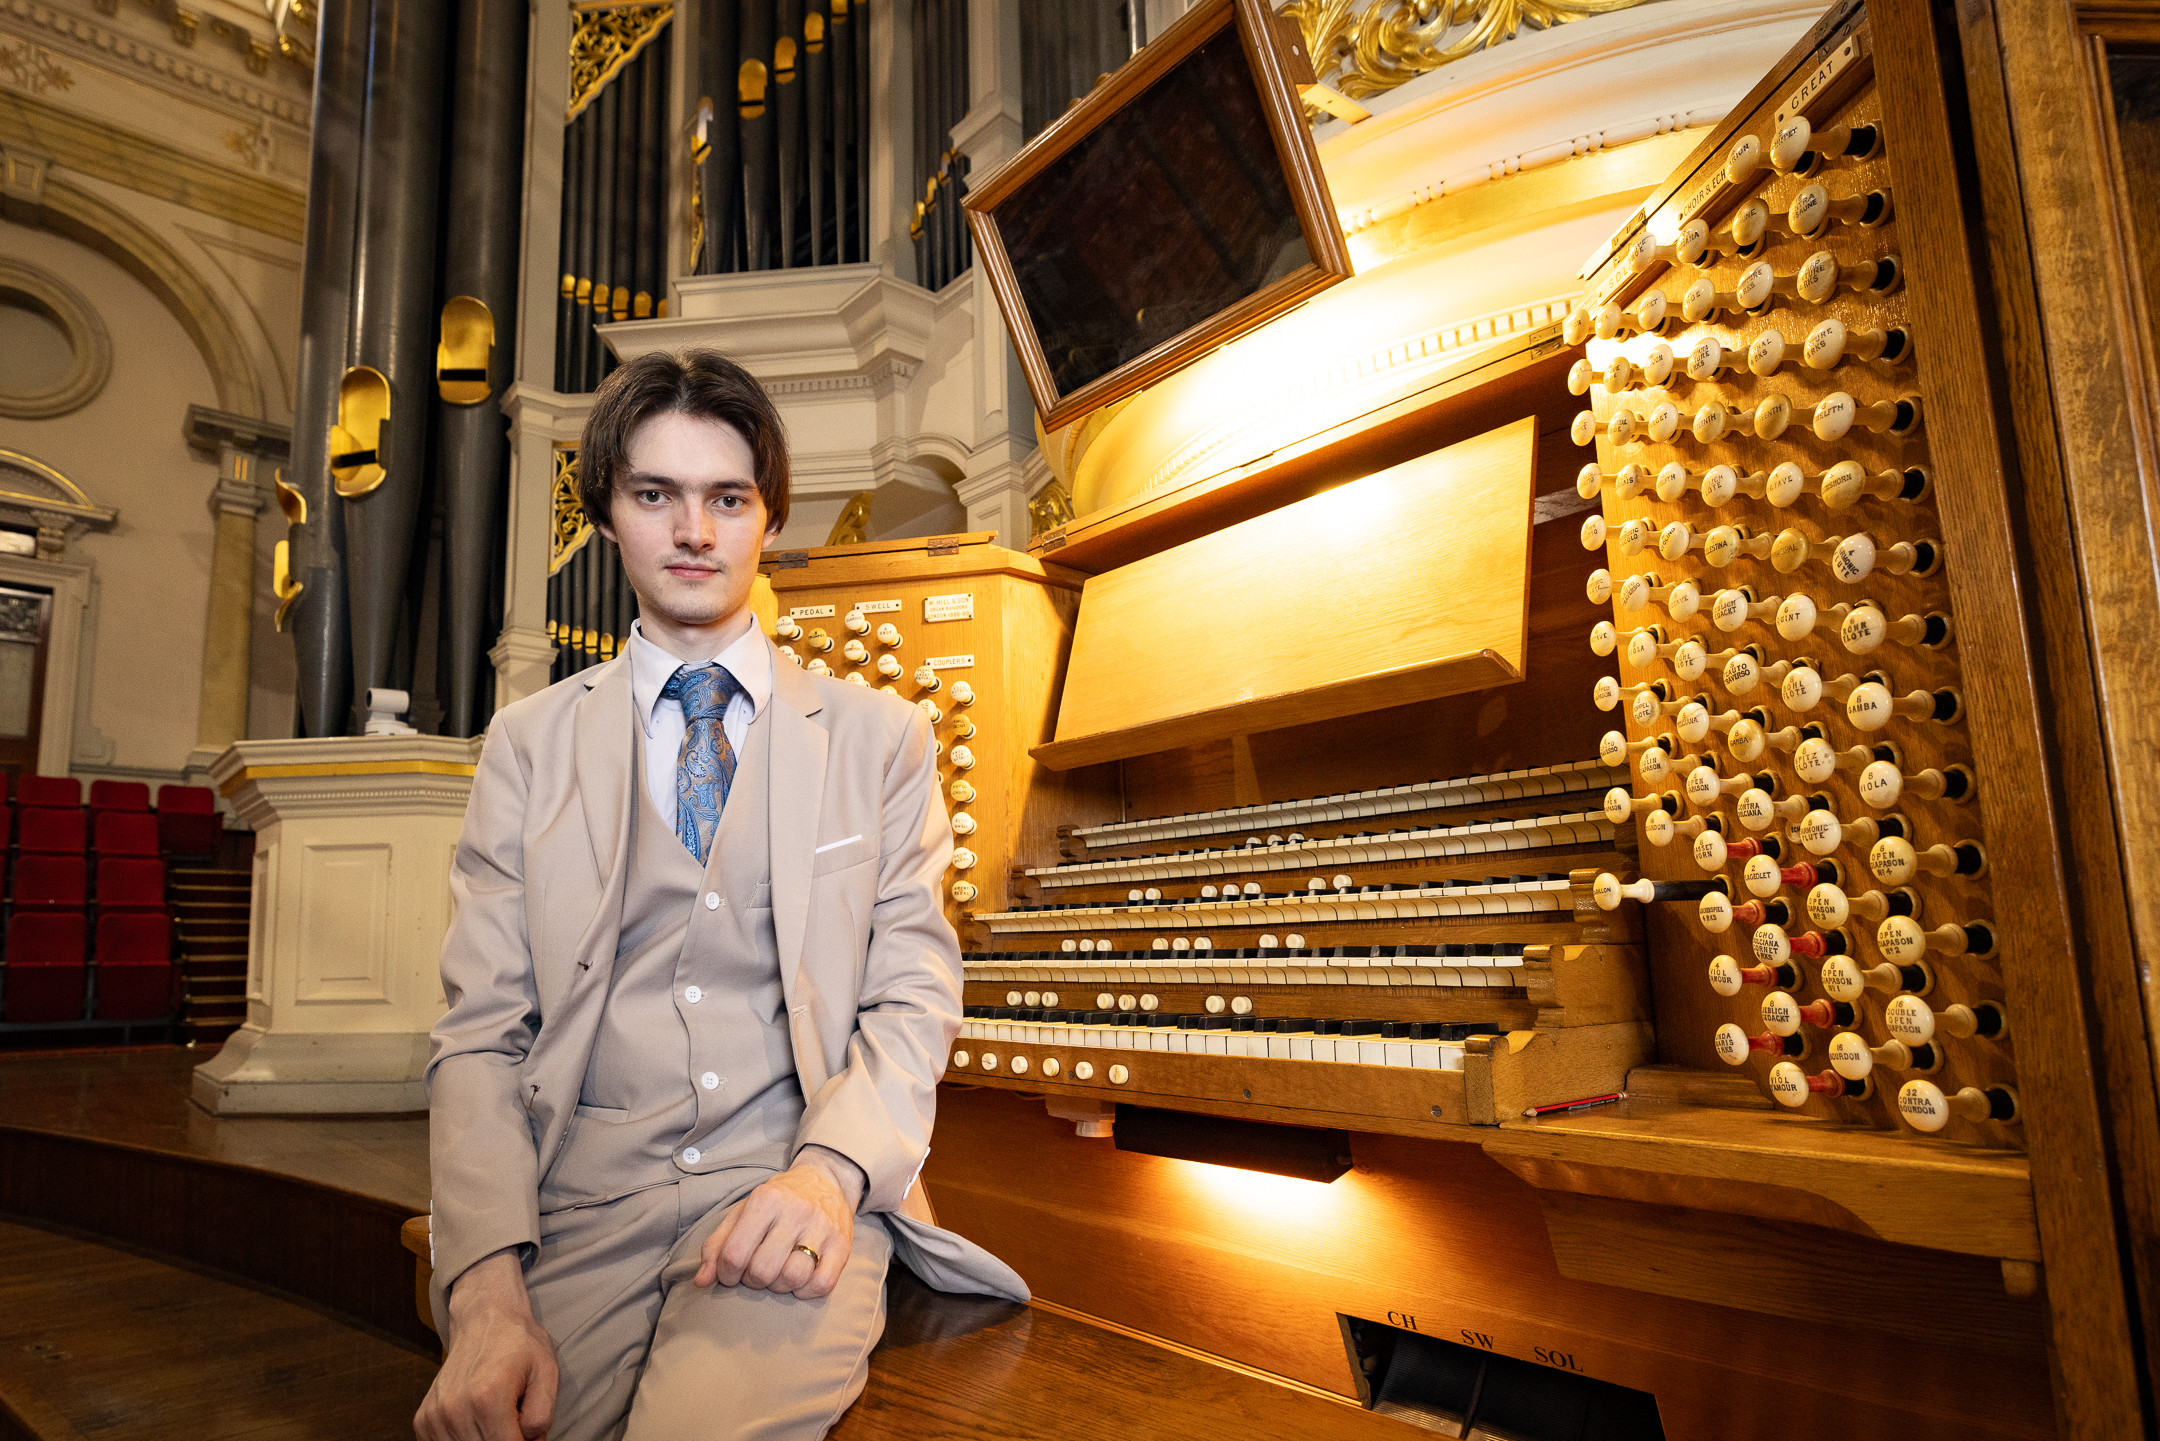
pixel 812 1203
pixel 498 1376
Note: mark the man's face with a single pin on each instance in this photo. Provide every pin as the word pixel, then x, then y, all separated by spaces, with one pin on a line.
pixel 688 518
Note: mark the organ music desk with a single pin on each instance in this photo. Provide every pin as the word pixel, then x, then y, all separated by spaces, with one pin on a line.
pixel 1769 808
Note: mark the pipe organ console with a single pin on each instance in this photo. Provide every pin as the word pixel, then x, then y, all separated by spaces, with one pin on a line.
pixel 1668 996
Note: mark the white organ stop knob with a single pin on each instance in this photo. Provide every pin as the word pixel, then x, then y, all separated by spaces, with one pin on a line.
pixel 1837 413
pixel 963 824
pixel 963 859
pixel 785 628
pixel 1791 1086
pixel 855 651
pixel 1908 1018
pixel 1925 1107
pixel 963 693
pixel 888 634
pixel 928 679
pixel 1620 429
pixel 961 791
pixel 856 622
pixel 963 758
pixel 1854 1059
pixel 889 666
pixel 1871 706
pixel 963 891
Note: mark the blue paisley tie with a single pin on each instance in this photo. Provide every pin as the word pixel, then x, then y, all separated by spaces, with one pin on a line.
pixel 706 767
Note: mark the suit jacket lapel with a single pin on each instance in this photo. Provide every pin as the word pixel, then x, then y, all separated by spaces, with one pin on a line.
pixel 796 791
pixel 603 735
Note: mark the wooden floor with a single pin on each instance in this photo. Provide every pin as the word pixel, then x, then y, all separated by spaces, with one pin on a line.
pixel 100 1343
pixel 139 1097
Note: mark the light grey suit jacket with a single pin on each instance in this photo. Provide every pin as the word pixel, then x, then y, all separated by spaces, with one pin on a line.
pixel 869 966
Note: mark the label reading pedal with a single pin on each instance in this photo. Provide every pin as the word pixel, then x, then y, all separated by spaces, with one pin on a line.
pixel 810 612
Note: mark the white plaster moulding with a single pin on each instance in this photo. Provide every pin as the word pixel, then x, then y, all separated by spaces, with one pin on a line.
pixel 789 327
pixel 85 40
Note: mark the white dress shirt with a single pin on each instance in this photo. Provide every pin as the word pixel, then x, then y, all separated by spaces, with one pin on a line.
pixel 748 659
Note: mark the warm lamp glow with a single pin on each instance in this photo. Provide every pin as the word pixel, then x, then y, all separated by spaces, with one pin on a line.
pixel 1264 1198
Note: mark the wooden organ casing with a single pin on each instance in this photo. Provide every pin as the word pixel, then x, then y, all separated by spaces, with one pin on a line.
pixel 1762 1269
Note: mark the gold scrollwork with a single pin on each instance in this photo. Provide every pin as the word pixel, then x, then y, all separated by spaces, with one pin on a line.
pixel 1051 508
pixel 607 37
pixel 568 528
pixel 853 526
pixel 282 585
pixel 1362 52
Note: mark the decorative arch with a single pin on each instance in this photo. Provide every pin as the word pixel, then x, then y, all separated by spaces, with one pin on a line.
pixel 88 220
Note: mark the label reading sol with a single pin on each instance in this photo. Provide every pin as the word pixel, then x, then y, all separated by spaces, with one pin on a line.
pixel 947 607
pixel 878 607
pixel 810 612
pixel 951 662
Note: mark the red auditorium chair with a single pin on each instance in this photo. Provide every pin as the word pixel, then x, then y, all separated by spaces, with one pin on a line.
pixel 60 791
pixel 119 796
pixel 44 980
pixel 49 831
pixel 126 883
pixel 134 966
pixel 188 822
pixel 125 833
pixel 196 800
pixel 50 883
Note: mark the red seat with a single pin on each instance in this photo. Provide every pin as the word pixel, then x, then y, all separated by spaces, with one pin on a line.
pixel 186 833
pixel 44 977
pixel 50 831
pixel 119 796
pixel 44 882
pixel 134 966
pixel 191 800
pixel 127 884
pixel 125 833
pixel 48 791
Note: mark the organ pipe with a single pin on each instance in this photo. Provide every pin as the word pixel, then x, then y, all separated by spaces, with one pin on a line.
pixel 394 327
pixel 487 128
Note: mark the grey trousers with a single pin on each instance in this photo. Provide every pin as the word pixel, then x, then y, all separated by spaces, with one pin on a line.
pixel 646 1356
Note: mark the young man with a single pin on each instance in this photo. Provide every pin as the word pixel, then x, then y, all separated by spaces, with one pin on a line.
pixel 701 989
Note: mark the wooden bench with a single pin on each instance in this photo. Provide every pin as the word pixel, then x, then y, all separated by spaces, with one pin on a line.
pixel 970 1366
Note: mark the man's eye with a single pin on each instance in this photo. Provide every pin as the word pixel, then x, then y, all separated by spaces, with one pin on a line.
pixel 650 497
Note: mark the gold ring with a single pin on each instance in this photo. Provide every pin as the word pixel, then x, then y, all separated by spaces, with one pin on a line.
pixel 815 1258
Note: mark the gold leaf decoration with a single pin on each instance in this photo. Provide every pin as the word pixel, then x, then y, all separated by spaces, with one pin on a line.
pixel 605 38
pixel 853 526
pixel 26 67
pixel 1051 508
pixel 1388 42
pixel 568 528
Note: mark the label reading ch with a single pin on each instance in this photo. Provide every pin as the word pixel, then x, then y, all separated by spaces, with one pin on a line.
pixel 810 612
pixel 951 662
pixel 949 607
pixel 877 607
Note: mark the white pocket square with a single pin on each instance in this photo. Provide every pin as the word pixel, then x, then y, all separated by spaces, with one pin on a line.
pixel 835 845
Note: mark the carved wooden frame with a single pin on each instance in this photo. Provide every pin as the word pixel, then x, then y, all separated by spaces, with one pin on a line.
pixel 1278 62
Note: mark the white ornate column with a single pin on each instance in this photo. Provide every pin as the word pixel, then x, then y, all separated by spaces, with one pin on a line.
pixel 354 838
pixel 247 452
pixel 995 488
pixel 540 421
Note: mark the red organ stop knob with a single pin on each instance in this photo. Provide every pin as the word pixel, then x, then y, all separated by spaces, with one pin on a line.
pixel 1734 1045
pixel 1728 977
pixel 1784 1016
pixel 1791 1086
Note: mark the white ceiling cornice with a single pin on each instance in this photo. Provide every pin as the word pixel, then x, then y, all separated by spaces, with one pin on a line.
pixel 88 40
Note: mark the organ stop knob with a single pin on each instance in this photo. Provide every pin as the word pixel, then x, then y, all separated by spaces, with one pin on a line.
pixel 1925 1107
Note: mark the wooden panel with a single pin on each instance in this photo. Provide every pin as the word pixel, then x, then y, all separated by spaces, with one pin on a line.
pixel 1785 1167
pixel 1781 1269
pixel 1397 418
pixel 1404 586
pixel 1433 1234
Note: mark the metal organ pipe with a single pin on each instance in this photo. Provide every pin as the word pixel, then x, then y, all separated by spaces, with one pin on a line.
pixel 487 130
pixel 321 644
pixel 394 317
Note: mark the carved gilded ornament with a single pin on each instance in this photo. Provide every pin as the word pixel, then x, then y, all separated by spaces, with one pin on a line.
pixel 604 38
pixel 853 526
pixel 1051 508
pixel 1364 50
pixel 27 67
pixel 568 528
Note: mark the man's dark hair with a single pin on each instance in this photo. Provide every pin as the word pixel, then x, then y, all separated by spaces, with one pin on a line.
pixel 703 383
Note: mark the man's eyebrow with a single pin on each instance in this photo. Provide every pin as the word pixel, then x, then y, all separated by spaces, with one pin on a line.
pixel 637 479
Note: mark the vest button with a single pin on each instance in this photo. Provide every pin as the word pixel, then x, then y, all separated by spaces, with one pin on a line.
pixel 712 900
pixel 692 994
pixel 710 1081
